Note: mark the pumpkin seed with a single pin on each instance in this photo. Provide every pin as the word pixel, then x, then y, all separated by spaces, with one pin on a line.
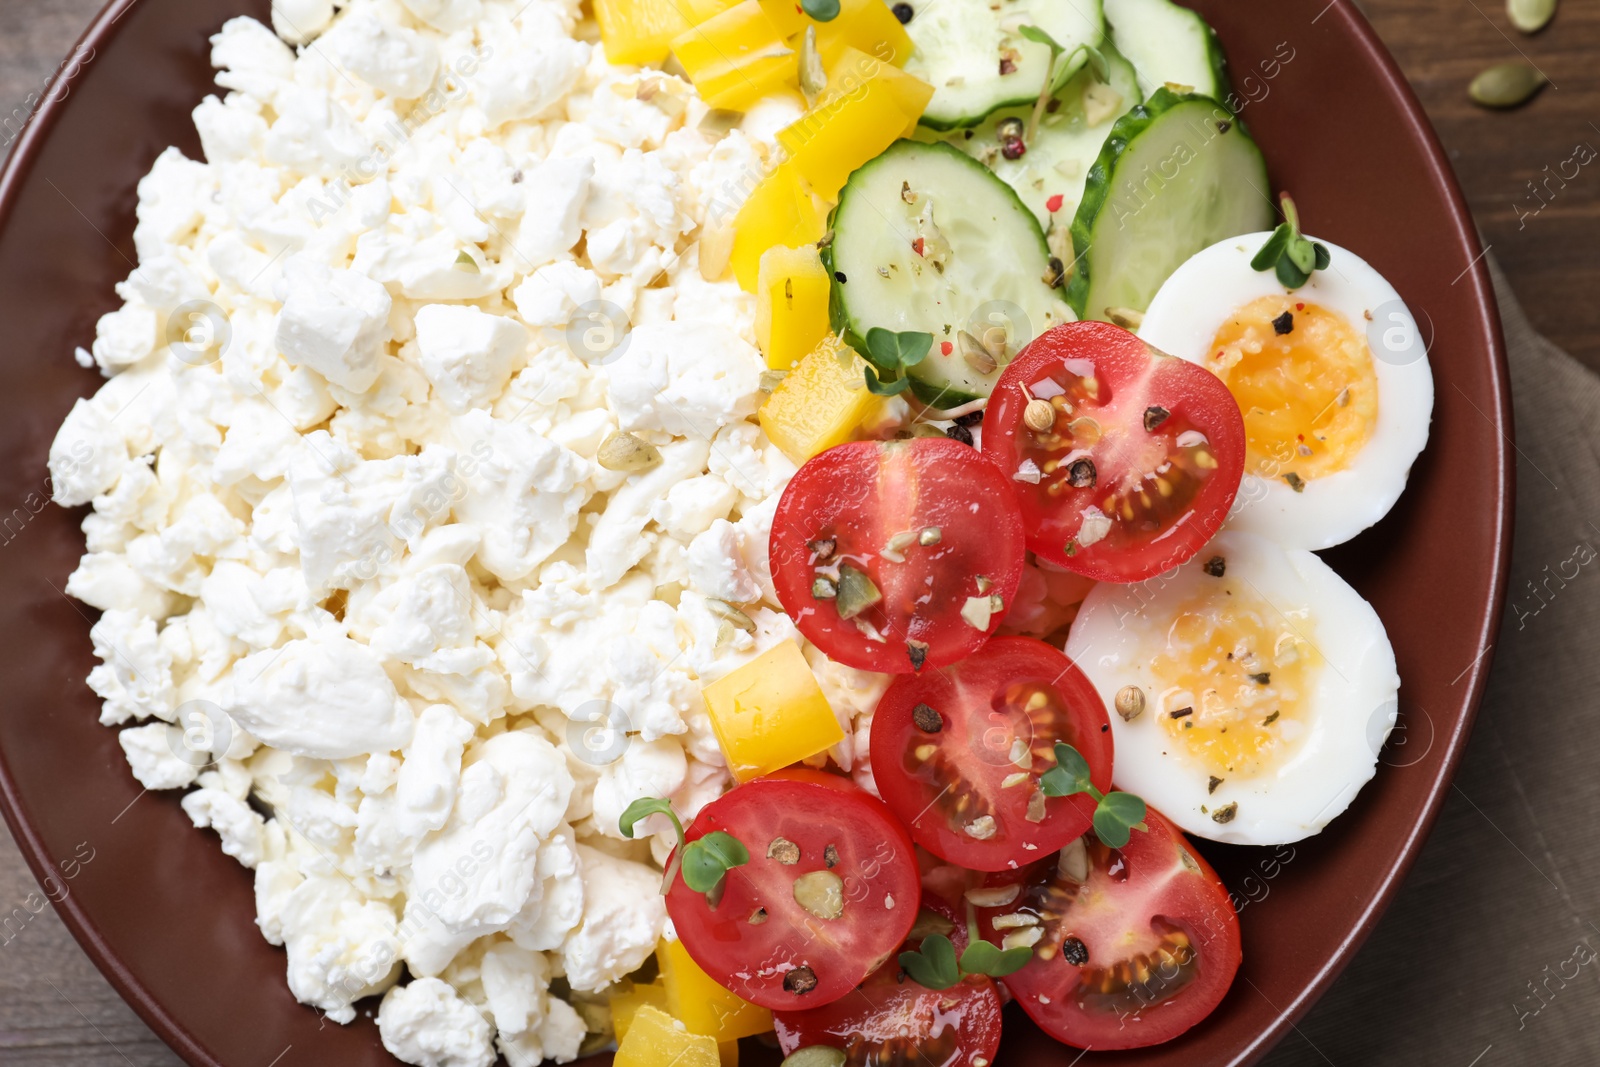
pixel 812 78
pixel 1506 85
pixel 821 893
pixel 973 351
pixel 1127 318
pixel 857 592
pixel 625 452
pixel 1530 16
pixel 815 1056
pixel 716 251
pixel 728 613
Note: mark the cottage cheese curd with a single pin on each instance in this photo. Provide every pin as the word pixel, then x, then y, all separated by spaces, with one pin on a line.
pixel 366 593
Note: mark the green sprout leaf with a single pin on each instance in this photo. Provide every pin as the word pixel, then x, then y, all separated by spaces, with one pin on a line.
pixel 708 860
pixel 981 957
pixel 1290 254
pixel 1070 776
pixel 934 965
pixel 1040 36
pixel 643 808
pixel 879 387
pixel 891 351
pixel 821 10
pixel 1117 815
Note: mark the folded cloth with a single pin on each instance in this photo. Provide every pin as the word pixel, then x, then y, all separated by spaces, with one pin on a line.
pixel 1492 947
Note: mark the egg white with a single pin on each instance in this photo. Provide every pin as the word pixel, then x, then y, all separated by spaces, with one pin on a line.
pixel 1346 715
pixel 1201 295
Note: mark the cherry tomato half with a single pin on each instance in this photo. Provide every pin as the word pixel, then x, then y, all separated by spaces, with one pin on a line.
pixel 1138 460
pixel 957 753
pixel 829 893
pixel 1132 955
pixel 891 556
pixel 892 1021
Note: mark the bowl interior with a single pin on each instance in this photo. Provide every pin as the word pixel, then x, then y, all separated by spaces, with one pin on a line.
pixel 168 917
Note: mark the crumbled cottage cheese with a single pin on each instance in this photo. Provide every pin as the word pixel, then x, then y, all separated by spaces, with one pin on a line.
pixel 366 593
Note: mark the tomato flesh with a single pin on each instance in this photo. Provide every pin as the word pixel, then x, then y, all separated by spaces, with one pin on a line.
pixel 995 718
pixel 892 1021
pixel 1139 463
pixel 1135 954
pixel 760 939
pixel 927 523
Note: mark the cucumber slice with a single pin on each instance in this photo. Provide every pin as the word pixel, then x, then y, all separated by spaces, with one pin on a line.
pixel 1168 44
pixel 1065 146
pixel 967 222
pixel 961 46
pixel 1176 175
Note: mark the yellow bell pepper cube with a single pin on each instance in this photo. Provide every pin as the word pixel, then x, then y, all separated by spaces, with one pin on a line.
pixel 654 1040
pixel 821 402
pixel 867 25
pixel 851 126
pixel 792 290
pixel 790 18
pixel 701 1003
pixel 851 68
pixel 779 211
pixel 736 57
pixel 698 11
pixel 638 32
pixel 626 1002
pixel 729 1051
pixel 771 713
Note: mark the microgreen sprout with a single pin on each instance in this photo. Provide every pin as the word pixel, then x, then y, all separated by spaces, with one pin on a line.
pixel 1290 253
pixel 1059 73
pixel 891 354
pixel 1115 814
pixel 935 965
pixel 704 861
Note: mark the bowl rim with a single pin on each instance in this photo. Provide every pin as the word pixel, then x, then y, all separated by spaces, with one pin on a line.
pixel 1462 233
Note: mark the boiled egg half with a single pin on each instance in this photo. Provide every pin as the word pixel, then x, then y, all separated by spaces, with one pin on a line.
pixel 1332 379
pixel 1252 689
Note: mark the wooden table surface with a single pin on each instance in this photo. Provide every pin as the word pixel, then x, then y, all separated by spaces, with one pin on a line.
pixel 1401 1002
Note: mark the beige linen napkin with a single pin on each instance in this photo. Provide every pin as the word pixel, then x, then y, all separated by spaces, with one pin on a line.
pixel 1490 955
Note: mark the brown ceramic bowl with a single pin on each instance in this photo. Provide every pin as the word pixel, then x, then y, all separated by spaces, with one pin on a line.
pixel 168 917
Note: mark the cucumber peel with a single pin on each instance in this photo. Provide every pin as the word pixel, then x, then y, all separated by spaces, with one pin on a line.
pixel 1177 174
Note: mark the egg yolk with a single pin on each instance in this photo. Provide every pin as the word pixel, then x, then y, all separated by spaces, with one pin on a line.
pixel 1305 383
pixel 1237 676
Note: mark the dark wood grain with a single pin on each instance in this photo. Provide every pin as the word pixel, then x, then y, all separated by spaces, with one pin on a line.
pixel 1509 882
pixel 1548 241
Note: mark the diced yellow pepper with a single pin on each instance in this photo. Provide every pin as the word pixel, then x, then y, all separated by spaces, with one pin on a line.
pixel 791 304
pixel 852 68
pixel 701 1003
pixel 626 1002
pixel 638 32
pixel 868 25
pixel 736 57
pixel 820 403
pixel 780 211
pixel 771 713
pixel 654 1040
pixel 729 1051
pixel 698 11
pixel 789 17
pixel 849 127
